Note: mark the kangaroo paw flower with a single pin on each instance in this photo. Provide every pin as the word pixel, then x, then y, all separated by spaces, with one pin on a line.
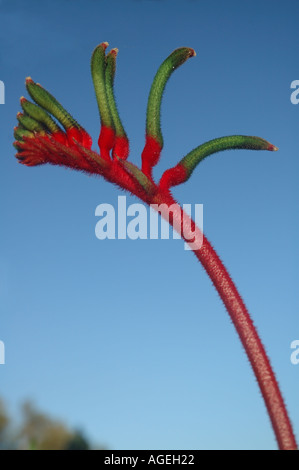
pixel 98 68
pixel 40 140
pixel 184 169
pixel 47 133
pixel 154 139
pixel 46 101
pixel 121 142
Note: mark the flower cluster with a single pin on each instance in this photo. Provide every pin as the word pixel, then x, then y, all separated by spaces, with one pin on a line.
pixel 47 133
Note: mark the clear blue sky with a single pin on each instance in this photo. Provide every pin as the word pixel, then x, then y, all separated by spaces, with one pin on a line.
pixel 128 339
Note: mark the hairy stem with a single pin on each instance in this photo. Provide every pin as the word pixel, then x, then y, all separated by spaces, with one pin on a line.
pixel 241 319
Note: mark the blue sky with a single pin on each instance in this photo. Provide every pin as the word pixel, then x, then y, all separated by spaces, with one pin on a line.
pixel 126 339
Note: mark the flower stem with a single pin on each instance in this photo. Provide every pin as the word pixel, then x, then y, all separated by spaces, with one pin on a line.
pixel 243 323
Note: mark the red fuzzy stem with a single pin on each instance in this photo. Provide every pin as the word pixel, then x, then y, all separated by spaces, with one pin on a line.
pixel 173 176
pixel 106 142
pixel 80 135
pixel 86 139
pixel 150 155
pixel 252 344
pixel 60 137
pixel 121 147
pixel 245 328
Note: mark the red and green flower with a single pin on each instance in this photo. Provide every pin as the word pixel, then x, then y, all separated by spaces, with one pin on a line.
pixel 47 133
